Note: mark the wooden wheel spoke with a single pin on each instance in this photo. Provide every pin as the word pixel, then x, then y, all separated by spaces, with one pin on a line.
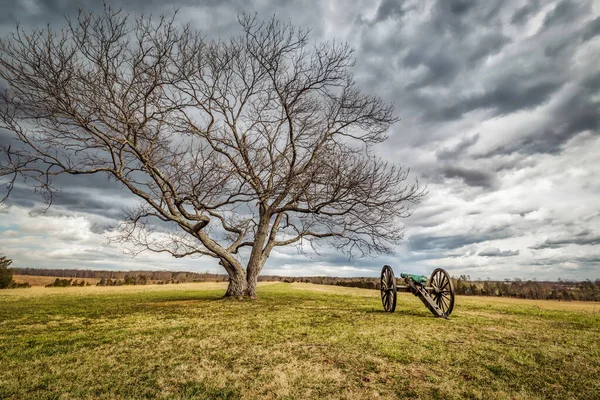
pixel 442 302
pixel 443 290
pixel 446 303
pixel 388 289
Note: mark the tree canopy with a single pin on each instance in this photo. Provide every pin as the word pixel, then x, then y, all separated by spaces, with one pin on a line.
pixel 233 146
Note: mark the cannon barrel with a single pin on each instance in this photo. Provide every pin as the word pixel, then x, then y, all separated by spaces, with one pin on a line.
pixel 420 279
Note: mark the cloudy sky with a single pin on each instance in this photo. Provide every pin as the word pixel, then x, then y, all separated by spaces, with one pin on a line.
pixel 499 107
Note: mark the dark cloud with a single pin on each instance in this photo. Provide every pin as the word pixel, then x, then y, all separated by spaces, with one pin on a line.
pixel 6 138
pixel 587 262
pixel 456 17
pixel 107 202
pixel 390 9
pixel 44 11
pixel 429 215
pixel 20 197
pixel 450 78
pixel 471 177
pixel 487 45
pixel 576 113
pixel 214 18
pixel 524 13
pixel 504 96
pixel 459 7
pixel 452 54
pixel 592 29
pixel 565 11
pixel 507 97
pixel 89 203
pixel 586 237
pixel 496 252
pixel 423 242
pixel 458 150
pixel 442 68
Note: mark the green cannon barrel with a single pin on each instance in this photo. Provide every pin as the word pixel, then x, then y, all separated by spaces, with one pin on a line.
pixel 416 278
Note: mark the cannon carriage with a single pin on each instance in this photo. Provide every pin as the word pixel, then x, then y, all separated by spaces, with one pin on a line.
pixel 437 292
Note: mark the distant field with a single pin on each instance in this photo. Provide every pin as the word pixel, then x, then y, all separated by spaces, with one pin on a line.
pixel 297 341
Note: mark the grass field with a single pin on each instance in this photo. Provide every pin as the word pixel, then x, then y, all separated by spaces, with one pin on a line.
pixel 296 341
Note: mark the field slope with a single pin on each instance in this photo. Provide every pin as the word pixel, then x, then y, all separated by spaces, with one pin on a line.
pixel 297 341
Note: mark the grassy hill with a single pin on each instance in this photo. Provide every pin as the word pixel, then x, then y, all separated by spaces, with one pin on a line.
pixel 297 341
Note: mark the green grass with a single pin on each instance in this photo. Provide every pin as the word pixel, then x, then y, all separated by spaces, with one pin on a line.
pixel 295 341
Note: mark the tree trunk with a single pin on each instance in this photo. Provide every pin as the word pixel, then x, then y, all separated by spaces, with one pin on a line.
pixel 237 280
pixel 257 260
pixel 252 272
pixel 251 280
pixel 237 285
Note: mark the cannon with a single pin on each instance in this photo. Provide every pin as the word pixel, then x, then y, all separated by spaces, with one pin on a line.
pixel 437 293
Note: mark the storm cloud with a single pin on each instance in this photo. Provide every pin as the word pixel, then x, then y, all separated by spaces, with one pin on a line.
pixel 498 105
pixel 496 252
pixel 585 238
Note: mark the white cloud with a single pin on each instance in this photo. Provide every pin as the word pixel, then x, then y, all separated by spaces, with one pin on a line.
pixel 499 119
pixel 66 241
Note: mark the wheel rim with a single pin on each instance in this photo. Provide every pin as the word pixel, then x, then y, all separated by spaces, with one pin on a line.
pixel 442 290
pixel 388 289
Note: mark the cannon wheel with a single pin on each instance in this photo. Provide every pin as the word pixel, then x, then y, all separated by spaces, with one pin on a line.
pixel 388 289
pixel 442 290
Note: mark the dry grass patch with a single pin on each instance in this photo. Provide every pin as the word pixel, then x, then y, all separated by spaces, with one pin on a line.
pixel 87 291
pixel 339 290
pixel 590 306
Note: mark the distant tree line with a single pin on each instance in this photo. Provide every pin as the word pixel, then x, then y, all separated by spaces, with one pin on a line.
pixel 137 279
pixel 530 289
pixel 58 282
pixel 526 289
pixel 125 277
pixel 363 283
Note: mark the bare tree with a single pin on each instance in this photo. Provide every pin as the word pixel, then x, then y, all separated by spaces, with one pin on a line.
pixel 233 146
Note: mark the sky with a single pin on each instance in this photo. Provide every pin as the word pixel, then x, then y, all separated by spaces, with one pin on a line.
pixel 499 117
